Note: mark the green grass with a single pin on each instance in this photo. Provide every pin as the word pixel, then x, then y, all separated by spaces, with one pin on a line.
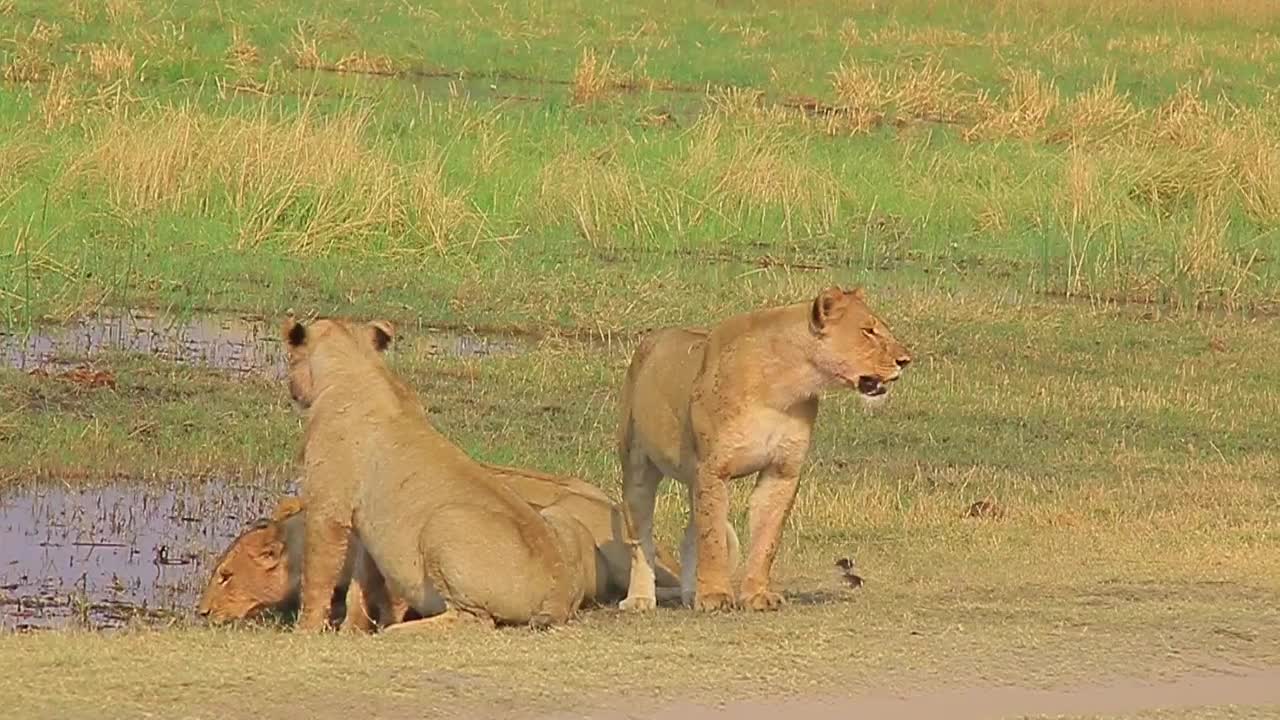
pixel 159 183
pixel 1066 210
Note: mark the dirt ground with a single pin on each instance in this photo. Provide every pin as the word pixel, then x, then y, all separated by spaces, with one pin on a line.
pixel 1237 691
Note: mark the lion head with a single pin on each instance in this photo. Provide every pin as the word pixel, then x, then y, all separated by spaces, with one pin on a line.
pixel 854 346
pixel 305 351
pixel 252 576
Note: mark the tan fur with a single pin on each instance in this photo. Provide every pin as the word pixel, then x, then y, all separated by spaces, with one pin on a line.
pixel 240 587
pixel 429 517
pixel 709 406
pixel 260 570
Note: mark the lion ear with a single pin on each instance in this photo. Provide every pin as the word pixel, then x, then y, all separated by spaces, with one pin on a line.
pixel 858 294
pixel 286 508
pixel 827 308
pixel 383 333
pixel 268 554
pixel 293 332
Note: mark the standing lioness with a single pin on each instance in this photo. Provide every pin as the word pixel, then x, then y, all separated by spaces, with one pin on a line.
pixel 429 516
pixel 708 406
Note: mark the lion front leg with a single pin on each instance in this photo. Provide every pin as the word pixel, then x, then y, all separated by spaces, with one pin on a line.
pixel 324 556
pixel 770 504
pixel 711 517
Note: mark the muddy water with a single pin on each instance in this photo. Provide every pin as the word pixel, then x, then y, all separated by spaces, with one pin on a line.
pixel 228 342
pixel 105 557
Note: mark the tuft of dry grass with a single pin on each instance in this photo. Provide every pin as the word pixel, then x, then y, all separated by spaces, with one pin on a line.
pixel 598 194
pixel 119 11
pixel 925 91
pixel 304 50
pixel 1024 108
pixel 242 53
pixel 27 67
pixel 754 168
pixel 1202 254
pixel 1255 155
pixel 1098 115
pixel 862 96
pixel 107 62
pixel 933 37
pixel 437 214
pixel 1184 120
pixel 368 64
pixel 57 105
pixel 594 77
pixel 313 182
pixel 930 91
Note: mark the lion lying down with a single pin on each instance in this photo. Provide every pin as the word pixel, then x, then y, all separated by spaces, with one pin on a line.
pixel 430 519
pixel 261 570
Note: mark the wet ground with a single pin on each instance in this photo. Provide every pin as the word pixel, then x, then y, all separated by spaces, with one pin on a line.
pixel 229 342
pixel 126 553
pixel 106 557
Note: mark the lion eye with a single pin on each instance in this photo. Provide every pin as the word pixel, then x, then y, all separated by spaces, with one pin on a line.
pixel 870 332
pixel 224 578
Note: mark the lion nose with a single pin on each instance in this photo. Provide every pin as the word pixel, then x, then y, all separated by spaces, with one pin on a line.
pixel 904 361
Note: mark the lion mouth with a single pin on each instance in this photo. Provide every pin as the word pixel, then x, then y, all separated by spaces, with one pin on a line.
pixel 871 386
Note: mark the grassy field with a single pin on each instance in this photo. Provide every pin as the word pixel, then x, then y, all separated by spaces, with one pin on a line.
pixel 1068 211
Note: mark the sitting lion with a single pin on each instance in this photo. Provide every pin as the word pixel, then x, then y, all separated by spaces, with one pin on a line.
pixel 261 569
pixel 429 517
pixel 708 406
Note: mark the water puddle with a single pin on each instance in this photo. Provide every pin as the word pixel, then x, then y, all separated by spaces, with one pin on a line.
pixel 104 557
pixel 227 342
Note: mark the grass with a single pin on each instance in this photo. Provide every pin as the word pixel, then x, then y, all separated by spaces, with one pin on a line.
pixel 1067 210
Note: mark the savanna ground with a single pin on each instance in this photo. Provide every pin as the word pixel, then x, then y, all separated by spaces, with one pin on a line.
pixel 1067 210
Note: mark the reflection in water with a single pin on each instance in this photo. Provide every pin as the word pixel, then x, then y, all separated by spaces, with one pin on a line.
pixel 104 556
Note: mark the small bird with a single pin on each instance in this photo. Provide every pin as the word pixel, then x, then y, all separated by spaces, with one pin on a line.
pixel 849 573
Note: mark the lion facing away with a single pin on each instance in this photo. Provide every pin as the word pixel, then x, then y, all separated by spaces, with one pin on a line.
pixel 430 518
pixel 709 406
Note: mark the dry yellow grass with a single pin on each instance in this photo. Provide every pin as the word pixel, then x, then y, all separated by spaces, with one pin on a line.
pixel 594 77
pixel 107 62
pixel 29 61
pixel 121 11
pixel 368 64
pixel 27 67
pixel 305 50
pixel 242 53
pixel 58 104
pixel 931 91
pixel 755 167
pixel 314 182
pixel 439 215
pixel 1023 110
pixel 598 194
pixel 862 96
pixel 1098 115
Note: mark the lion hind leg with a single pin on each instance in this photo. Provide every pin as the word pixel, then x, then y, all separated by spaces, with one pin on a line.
pixel 450 618
pixel 640 491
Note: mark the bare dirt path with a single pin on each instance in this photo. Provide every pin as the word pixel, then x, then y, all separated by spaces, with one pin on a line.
pixel 1237 687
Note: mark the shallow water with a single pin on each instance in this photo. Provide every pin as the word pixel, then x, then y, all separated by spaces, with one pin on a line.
pixel 106 556
pixel 228 342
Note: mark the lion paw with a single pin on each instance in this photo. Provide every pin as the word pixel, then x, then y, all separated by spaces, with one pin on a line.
pixel 713 602
pixel 763 601
pixel 638 603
